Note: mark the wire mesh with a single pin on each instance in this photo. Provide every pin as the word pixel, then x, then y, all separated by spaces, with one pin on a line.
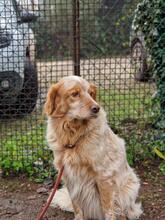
pixel 42 41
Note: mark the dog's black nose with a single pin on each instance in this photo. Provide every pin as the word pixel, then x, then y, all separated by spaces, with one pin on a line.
pixel 95 109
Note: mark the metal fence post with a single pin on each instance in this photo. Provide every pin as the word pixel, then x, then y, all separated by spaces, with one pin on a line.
pixel 76 37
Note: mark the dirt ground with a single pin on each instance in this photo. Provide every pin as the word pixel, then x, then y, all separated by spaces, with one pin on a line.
pixel 22 199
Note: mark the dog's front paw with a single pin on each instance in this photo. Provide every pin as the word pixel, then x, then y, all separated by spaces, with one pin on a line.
pixel 110 216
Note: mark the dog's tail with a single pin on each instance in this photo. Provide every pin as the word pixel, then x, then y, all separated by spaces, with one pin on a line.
pixel 62 200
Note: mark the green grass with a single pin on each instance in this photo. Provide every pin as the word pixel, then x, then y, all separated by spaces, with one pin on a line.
pixel 127 105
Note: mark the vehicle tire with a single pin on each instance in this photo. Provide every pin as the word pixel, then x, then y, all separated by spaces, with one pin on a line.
pixel 139 60
pixel 27 98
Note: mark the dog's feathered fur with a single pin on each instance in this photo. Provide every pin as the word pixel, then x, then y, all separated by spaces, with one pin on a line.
pixel 100 182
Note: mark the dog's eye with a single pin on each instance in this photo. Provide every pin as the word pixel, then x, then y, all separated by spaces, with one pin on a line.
pixel 91 94
pixel 75 94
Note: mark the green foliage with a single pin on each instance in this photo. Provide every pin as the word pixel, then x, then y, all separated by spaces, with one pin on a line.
pixel 104 28
pixel 142 147
pixel 24 153
pixel 150 19
pixel 114 24
pixel 162 167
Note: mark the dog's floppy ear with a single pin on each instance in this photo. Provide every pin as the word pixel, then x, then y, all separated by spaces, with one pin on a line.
pixel 93 91
pixel 50 104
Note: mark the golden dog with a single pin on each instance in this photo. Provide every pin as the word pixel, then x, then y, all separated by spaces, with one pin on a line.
pixel 99 180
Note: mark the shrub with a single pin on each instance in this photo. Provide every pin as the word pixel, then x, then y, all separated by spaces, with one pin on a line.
pixel 104 26
pixel 150 19
pixel 27 153
pixel 114 24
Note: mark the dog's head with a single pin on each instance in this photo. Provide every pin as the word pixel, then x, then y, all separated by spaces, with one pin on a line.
pixel 73 97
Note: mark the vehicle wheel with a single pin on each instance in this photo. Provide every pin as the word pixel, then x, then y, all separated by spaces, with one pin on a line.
pixel 139 61
pixel 27 98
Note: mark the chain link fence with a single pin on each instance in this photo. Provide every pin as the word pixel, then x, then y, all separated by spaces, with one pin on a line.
pixel 42 41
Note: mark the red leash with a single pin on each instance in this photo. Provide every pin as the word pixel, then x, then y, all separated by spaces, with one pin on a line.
pixel 55 187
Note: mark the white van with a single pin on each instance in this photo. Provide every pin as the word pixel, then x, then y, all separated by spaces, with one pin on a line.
pixel 18 74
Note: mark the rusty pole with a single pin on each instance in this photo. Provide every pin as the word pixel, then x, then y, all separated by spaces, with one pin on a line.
pixel 76 37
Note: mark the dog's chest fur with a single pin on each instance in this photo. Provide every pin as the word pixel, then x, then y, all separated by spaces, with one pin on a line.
pixel 82 187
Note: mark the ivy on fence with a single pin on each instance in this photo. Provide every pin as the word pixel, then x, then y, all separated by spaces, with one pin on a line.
pixel 150 19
